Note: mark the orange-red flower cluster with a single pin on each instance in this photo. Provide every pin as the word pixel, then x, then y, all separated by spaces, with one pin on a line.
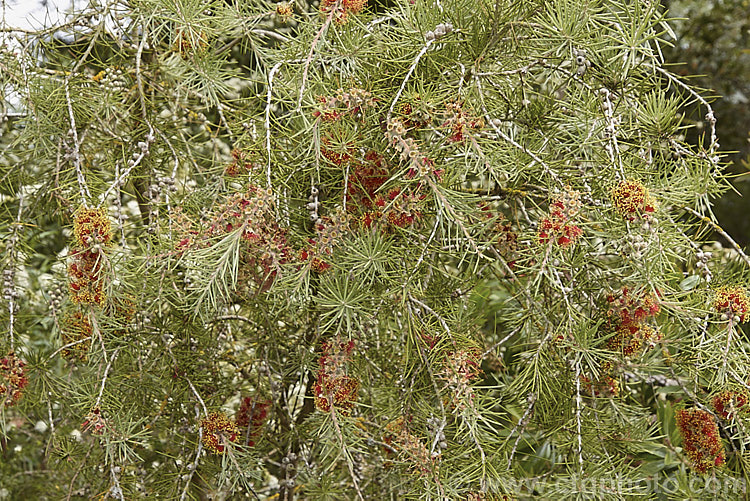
pixel 399 208
pixel 559 227
pixel 242 163
pixel 218 431
pixel 77 328
pixel 92 232
pixel 626 316
pixel 86 284
pixel 606 385
pixel 365 180
pixel 92 227
pixel 459 371
pixel 284 10
pixel 633 339
pixel 415 113
pixel 409 447
pixel 251 418
pixel 265 248
pixel 727 403
pixel 12 379
pixel 337 154
pixel 385 210
pixel 334 387
pixel 700 438
pixel 632 200
pixel 342 9
pixel 628 308
pixel 733 302
pixel 94 422
pixel 460 123
pixel 507 240
pixel 187 45
pixel 352 103
pixel 309 254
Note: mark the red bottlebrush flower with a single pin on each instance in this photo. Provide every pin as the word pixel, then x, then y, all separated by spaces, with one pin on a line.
pixel 265 248
pixel 92 227
pixel 460 369
pixel 241 164
pixel 605 386
pixel 335 354
pixel 460 122
pixel 86 284
pixel 284 10
pixel 632 200
pixel 76 328
pixel 558 227
pixel 319 266
pixel 333 385
pixel 251 417
pixel 410 448
pixel 94 422
pixel 92 232
pixel 727 403
pixel 336 157
pixel 626 315
pixel 12 379
pixel 570 234
pixel 340 391
pixel 506 242
pixel 633 339
pixel 342 8
pixel 310 254
pixel 188 44
pixel 218 431
pixel 631 308
pixel 733 302
pixel 700 437
pixel 365 180
pixel 415 113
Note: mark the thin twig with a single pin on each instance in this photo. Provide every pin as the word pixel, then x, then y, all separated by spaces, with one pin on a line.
pixel 268 119
pixel 531 399
pixel 408 75
pixel 721 231
pixel 578 418
pixel 710 118
pixel 76 153
pixel 11 272
pixel 314 44
pixel 104 378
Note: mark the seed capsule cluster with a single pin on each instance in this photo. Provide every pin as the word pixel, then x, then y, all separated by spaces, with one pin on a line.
pixel 441 30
